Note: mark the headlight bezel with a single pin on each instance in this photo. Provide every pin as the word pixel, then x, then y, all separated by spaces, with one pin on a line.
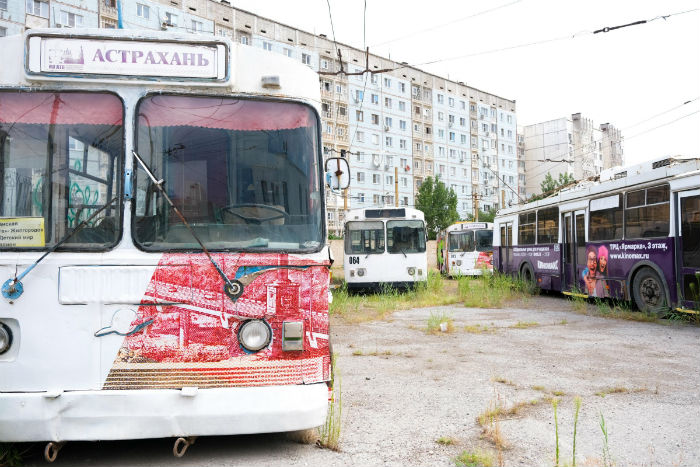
pixel 246 328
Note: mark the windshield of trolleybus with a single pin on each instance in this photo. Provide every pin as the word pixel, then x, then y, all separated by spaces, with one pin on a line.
pixel 244 173
pixel 484 240
pixel 364 237
pixel 60 162
pixel 405 236
pixel 461 242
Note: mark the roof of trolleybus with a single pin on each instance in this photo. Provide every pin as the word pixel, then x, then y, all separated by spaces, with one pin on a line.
pixel 651 172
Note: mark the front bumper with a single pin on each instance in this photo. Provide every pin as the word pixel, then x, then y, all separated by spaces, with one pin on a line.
pixel 160 413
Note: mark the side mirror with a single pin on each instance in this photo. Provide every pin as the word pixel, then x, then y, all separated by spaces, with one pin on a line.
pixel 337 174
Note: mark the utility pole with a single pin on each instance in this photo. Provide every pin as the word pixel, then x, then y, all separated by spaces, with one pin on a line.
pixel 396 187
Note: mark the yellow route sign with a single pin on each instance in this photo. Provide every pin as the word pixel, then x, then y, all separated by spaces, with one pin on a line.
pixel 19 232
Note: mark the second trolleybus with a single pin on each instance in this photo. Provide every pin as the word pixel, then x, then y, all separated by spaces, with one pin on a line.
pixel 466 249
pixel 385 247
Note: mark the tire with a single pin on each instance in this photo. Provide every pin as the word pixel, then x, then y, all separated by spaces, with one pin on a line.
pixel 527 274
pixel 649 292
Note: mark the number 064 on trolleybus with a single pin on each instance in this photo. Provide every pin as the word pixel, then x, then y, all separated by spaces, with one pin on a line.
pixel 163 253
pixel 465 249
pixel 635 235
pixel 385 246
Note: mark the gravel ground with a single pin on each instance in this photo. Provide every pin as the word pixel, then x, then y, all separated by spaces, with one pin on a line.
pixel 408 388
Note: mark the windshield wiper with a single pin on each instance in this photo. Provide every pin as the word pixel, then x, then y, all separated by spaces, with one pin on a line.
pixel 13 288
pixel 233 289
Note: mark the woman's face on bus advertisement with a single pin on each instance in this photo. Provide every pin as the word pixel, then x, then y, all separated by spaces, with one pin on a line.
pixel 603 263
pixel 592 263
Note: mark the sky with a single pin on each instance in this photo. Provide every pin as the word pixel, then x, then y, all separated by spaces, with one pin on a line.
pixel 638 78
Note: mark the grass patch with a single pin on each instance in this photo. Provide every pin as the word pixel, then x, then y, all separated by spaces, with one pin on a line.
pixel 440 323
pixel 446 441
pixel 329 433
pixel 524 324
pixel 479 329
pixel 612 390
pixel 358 308
pixel 492 290
pixel 375 353
pixel 476 458
pixel 537 387
pixel 497 410
pixel 505 381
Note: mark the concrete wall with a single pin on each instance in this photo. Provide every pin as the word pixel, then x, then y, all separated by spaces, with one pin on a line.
pixel 337 249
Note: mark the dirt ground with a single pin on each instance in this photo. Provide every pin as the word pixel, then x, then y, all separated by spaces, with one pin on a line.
pixel 403 389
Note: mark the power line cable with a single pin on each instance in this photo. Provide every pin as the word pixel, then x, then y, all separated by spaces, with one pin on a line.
pixel 458 20
pixel 662 125
pixel 660 114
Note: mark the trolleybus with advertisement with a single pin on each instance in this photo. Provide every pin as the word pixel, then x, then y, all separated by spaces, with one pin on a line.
pixel 163 253
pixel 385 247
pixel 633 235
pixel 465 249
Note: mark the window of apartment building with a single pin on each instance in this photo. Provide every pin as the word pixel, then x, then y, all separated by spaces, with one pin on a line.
pixel 109 3
pixel 502 132
pixel 472 107
pixel 360 136
pixel 503 147
pixel 428 130
pixel 402 88
pixel 452 171
pixel 402 124
pixel 360 177
pixel 429 167
pixel 484 127
pixel 493 113
pixel 71 19
pixel 464 189
pixel 402 143
pixel 451 101
pixel 305 59
pixel 360 157
pixel 403 162
pixel 329 128
pixel 475 175
pixel 484 144
pixel 339 89
pixel 327 86
pixel 324 64
pixel 109 24
pixel 442 169
pixel 359 95
pixel 474 142
pixel 402 106
pixel 493 144
pixel 388 122
pixel 441 151
pixel 170 19
pixel 266 45
pixel 474 125
pixel 375 119
pixel 34 7
pixel 389 141
pixel 416 165
pixel 375 139
pixel 510 179
pixel 3 31
pixel 441 117
pixel 198 26
pixel 510 119
pixel 510 164
pixel 390 160
pixel 462 105
pixel 387 83
pixel 287 52
pixel 375 99
pixel 387 102
pixel 451 118
pixel 463 139
pixel 375 199
pixel 359 116
pixel 510 149
pixel 374 78
pixel 510 133
pixel 389 179
pixel 441 133
pixel 361 197
pixel 493 127
pixel 453 153
pixel 418 146
pixel 452 136
pixel 342 111
pixel 244 40
pixel 404 182
pixel 416 110
pixel 143 11
pixel 376 179
pixel 462 121
pixel 440 99
pixel 464 172
pixel 426 148
pixel 326 109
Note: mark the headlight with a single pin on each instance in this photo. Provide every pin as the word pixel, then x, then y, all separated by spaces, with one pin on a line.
pixel 411 271
pixel 5 338
pixel 459 262
pixel 361 272
pixel 254 335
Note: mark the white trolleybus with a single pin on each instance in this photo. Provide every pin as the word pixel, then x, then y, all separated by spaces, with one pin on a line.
pixel 635 235
pixel 466 249
pixel 163 254
pixel 385 247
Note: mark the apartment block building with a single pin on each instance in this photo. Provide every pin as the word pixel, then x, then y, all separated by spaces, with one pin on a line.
pixel 572 145
pixel 396 124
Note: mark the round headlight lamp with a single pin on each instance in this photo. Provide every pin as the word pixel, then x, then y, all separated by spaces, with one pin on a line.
pixel 361 272
pixel 459 262
pixel 5 338
pixel 411 271
pixel 254 335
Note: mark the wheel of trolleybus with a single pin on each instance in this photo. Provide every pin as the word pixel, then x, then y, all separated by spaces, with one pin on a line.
pixel 649 292
pixel 527 275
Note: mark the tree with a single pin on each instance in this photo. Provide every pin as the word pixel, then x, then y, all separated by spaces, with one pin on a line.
pixel 438 203
pixel 550 184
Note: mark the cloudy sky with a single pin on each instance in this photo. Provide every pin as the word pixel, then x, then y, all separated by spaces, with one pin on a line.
pixel 639 78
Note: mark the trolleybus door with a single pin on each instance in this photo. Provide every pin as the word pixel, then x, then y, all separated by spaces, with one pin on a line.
pixel 506 246
pixel 688 246
pixel 573 241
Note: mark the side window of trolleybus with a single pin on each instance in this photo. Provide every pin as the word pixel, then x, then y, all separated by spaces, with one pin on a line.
pixel 605 220
pixel 60 166
pixel 647 213
pixel 364 237
pixel 405 236
pixel 547 225
pixel 526 228
pixel 243 172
